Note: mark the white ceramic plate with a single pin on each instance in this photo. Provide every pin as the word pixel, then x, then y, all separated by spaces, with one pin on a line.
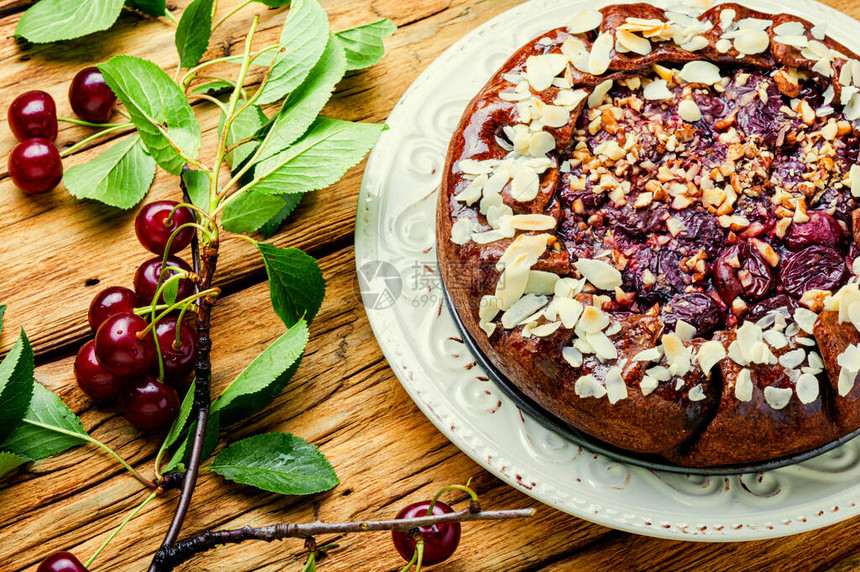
pixel 396 260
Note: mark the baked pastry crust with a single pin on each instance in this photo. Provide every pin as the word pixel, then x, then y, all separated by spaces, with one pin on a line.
pixel 542 289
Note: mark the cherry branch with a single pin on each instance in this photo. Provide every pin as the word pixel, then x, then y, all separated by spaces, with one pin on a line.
pixel 203 263
pixel 168 558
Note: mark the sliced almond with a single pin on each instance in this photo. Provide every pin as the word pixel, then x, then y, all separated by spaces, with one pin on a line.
pixel 633 43
pixel 598 61
pixel 588 386
pixel 599 93
pixel 743 386
pixel 657 90
pixel 585 21
pixel 806 388
pixel 777 397
pixel 700 72
pixel 599 273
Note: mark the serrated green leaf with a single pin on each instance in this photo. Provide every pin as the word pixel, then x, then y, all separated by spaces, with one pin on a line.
pixel 276 462
pixel 16 385
pixel 193 32
pixel 48 428
pixel 250 211
pixel 265 377
pixel 157 107
pixel 57 20
pixel 180 424
pixel 182 455
pixel 9 461
pixel 318 159
pixel 2 311
pixel 150 7
pixel 296 283
pixel 363 44
pixel 120 177
pixel 245 125
pixel 303 105
pixel 216 86
pixel 290 203
pixel 304 37
pixel 197 184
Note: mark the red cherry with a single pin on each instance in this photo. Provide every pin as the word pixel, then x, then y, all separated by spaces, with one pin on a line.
pixel 440 540
pixel 92 377
pixel 35 166
pixel 109 302
pixel 152 229
pixel 61 562
pixel 149 404
pixel 33 114
pixel 90 96
pixel 179 361
pixel 146 279
pixel 119 349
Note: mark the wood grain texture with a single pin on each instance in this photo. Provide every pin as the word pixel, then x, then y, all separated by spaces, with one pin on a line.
pixel 344 398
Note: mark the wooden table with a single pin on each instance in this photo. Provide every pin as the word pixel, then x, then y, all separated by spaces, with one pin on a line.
pixel 57 253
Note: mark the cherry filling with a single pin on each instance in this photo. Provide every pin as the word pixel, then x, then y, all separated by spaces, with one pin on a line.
pixel 727 215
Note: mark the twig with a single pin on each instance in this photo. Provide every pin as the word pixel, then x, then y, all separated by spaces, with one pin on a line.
pixel 203 263
pixel 168 558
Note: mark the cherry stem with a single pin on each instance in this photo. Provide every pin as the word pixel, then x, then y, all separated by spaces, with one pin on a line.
pixel 208 98
pixel 230 13
pixel 133 514
pixel 90 439
pixel 169 557
pixel 210 293
pixel 417 557
pixel 444 490
pixel 88 123
pixel 114 127
pixel 148 309
pixel 192 206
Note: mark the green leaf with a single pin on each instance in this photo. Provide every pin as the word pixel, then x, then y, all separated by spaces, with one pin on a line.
pixel 16 385
pixel 2 311
pixel 158 109
pixel 290 203
pixel 197 183
pixel 150 7
pixel 296 283
pixel 318 159
pixel 56 20
pixel 363 44
pixel 304 38
pixel 120 177
pixel 181 423
pixel 170 292
pixel 265 377
pixel 216 86
pixel 249 211
pixel 9 461
pixel 193 32
pixel 48 428
pixel 245 125
pixel 276 462
pixel 182 455
pixel 301 108
pixel 275 3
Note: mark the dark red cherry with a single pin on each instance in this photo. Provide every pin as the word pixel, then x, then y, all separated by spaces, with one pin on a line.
pixel 146 279
pixel 440 540
pixel 813 268
pixel 741 271
pixel 153 230
pixel 109 302
pixel 149 404
pixel 33 114
pixel 119 348
pixel 695 308
pixel 61 562
pixel 820 229
pixel 179 360
pixel 92 377
pixel 35 166
pixel 90 96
